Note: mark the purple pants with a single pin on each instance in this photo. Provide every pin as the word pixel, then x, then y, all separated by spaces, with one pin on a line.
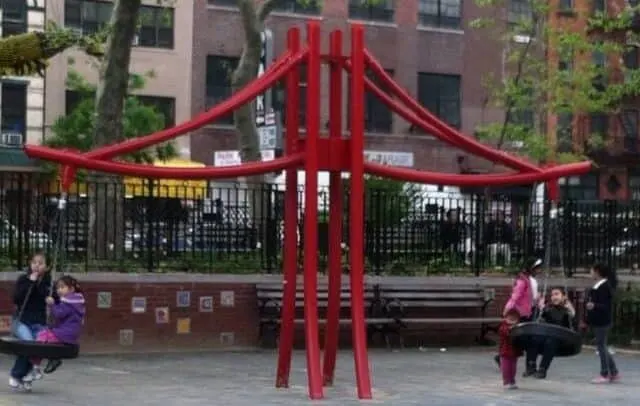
pixel 508 366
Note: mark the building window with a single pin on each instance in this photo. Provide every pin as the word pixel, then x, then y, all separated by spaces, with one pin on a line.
pixel 440 13
pixel 88 17
pixel 580 188
pixel 280 101
pixel 225 3
pixel 218 83
pixel 381 10
pixel 599 6
pixel 599 124
pixel 565 63
pixel 297 7
pixel 630 61
pixel 564 131
pixel 519 11
pixel 14 110
pixel 565 5
pixel 440 94
pixel 14 17
pixel 163 105
pixel 630 127
pixel 156 27
pixel 377 116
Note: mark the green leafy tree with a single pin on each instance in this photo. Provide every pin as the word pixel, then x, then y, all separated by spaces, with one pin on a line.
pixel 557 80
pixel 75 130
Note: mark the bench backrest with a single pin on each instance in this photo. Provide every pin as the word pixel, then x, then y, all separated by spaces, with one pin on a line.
pixel 429 296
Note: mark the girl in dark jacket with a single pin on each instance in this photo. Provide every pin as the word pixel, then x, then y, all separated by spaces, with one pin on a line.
pixel 31 290
pixel 599 318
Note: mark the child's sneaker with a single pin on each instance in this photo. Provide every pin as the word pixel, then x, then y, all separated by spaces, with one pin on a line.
pixel 511 386
pixel 600 380
pixel 36 374
pixel 615 378
pixel 14 383
pixel 27 386
pixel 541 374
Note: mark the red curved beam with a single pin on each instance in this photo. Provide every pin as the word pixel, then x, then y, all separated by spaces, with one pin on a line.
pixel 148 171
pixel 412 175
pixel 443 131
pixel 276 72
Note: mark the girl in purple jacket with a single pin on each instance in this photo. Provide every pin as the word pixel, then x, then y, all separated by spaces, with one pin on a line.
pixel 68 318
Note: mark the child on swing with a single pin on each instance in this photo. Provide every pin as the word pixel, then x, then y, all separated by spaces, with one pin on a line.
pixel 508 352
pixel 68 317
pixel 560 312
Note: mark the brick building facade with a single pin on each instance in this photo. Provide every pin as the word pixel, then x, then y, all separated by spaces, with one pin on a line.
pixel 425 44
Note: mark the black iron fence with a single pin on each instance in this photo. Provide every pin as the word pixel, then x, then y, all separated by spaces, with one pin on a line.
pixel 115 224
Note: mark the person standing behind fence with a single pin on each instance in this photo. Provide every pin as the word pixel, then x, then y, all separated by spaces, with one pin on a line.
pixel 600 318
pixel 451 233
pixel 499 238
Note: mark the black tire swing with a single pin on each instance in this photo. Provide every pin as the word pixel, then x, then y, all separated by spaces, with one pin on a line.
pixel 569 340
pixel 33 349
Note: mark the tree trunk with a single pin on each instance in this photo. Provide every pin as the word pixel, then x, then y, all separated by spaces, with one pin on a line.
pixel 244 117
pixel 106 208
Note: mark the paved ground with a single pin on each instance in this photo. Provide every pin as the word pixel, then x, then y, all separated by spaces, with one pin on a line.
pixel 411 377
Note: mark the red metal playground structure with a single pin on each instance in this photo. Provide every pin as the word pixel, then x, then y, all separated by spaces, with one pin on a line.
pixel 313 153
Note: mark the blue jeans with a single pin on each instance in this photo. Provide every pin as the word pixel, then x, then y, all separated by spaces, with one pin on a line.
pixel 22 331
pixel 608 366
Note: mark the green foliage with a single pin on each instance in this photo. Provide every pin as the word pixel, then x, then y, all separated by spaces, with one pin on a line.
pixel 535 91
pixel 386 202
pixel 75 130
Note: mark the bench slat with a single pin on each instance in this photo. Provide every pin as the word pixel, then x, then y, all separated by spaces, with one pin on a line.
pixel 478 320
pixel 430 295
pixel 418 288
pixel 321 303
pixel 434 303
pixel 300 295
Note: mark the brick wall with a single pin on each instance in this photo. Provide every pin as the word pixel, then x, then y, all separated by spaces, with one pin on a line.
pixel 123 312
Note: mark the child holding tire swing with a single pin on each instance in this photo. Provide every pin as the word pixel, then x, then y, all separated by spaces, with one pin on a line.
pixel 68 317
pixel 31 290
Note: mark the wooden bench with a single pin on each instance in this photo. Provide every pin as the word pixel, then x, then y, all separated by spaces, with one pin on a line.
pixel 270 307
pixel 408 304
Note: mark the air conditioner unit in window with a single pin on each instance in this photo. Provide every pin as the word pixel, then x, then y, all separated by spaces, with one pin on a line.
pixel 12 138
pixel 136 40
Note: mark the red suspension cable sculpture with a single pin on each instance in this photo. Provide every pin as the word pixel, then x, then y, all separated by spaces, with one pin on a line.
pixel 314 153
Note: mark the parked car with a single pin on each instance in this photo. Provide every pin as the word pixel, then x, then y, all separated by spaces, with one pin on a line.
pixel 10 235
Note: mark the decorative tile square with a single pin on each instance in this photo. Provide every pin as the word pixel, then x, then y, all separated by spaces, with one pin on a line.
pixel 206 304
pixel 162 315
pixel 183 298
pixel 183 326
pixel 104 300
pixel 227 298
pixel 227 338
pixel 5 324
pixel 126 337
pixel 138 305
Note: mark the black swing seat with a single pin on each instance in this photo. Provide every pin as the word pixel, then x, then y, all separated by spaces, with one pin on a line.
pixel 570 342
pixel 33 349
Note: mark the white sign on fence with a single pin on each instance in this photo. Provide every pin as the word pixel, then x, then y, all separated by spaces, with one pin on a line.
pixel 404 159
pixel 232 157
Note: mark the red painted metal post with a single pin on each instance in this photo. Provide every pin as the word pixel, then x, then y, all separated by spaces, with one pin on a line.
pixel 335 214
pixel 356 218
pixel 290 221
pixel 314 371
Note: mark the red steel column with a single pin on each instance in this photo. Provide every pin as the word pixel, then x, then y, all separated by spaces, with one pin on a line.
pixel 356 237
pixel 335 214
pixel 314 371
pixel 290 220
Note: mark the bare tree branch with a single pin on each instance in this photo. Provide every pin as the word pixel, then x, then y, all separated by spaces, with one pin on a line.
pixel 265 9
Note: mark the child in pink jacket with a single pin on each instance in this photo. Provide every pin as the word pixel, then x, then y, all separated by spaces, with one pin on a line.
pixel 523 295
